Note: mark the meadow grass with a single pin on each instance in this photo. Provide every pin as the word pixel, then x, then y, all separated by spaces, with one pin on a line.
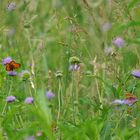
pixel 77 58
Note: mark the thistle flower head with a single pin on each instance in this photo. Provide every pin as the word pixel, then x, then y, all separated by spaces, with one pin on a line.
pixel 74 63
pixel 119 42
pixel 30 138
pixel 136 73
pixel 49 95
pixel 10 98
pixel 74 67
pixel 6 60
pixel 12 73
pixel 29 100
pixel 11 6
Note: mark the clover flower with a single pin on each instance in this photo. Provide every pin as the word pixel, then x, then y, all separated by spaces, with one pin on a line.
pixel 29 100
pixel 136 73
pixel 119 42
pixel 12 73
pixel 49 95
pixel 6 60
pixel 10 98
pixel 129 100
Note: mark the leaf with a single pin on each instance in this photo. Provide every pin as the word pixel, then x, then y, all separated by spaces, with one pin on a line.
pixel 122 27
pixel 132 3
pixel 130 60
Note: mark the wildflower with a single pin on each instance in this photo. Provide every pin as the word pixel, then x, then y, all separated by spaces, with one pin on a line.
pixel 119 42
pixel 10 98
pixel 12 73
pixel 49 95
pixel 74 63
pixel 129 100
pixel 30 138
pixel 11 6
pixel 106 26
pixel 74 67
pixel 25 75
pixel 6 60
pixel 29 100
pixel 136 73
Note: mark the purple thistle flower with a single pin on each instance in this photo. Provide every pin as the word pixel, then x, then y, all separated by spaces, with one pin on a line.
pixel 30 138
pixel 119 42
pixel 12 73
pixel 10 98
pixel 6 60
pixel 49 95
pixel 11 6
pixel 136 73
pixel 74 67
pixel 106 26
pixel 29 100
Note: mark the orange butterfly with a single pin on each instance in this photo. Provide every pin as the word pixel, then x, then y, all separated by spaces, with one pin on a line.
pixel 12 65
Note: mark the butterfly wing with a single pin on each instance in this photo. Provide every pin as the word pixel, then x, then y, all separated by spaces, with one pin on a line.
pixel 12 65
pixel 15 65
pixel 8 67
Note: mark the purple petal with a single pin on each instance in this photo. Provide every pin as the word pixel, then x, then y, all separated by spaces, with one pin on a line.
pixel 11 6
pixel 29 100
pixel 6 60
pixel 119 42
pixel 50 95
pixel 74 67
pixel 30 138
pixel 10 98
pixel 12 73
pixel 136 73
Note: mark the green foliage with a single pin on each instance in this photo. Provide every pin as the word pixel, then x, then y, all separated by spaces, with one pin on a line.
pixel 62 47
